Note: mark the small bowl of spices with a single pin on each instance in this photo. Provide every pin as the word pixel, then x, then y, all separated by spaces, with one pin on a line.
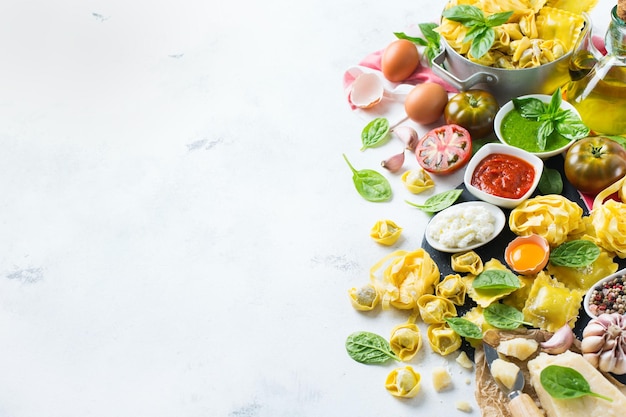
pixel 502 175
pixel 607 295
pixel 529 123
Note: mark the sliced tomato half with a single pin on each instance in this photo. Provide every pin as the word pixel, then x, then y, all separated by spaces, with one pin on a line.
pixel 444 150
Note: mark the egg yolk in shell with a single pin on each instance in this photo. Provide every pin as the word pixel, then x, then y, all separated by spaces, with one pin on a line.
pixel 526 256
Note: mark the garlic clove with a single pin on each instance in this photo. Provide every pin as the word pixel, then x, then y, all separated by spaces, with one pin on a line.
pixel 560 341
pixel 607 361
pixel 394 164
pixel 408 136
pixel 367 91
pixel 592 343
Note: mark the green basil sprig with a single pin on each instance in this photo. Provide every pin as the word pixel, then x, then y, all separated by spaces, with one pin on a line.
pixel 480 28
pixel 431 40
pixel 503 316
pixel 438 202
pixel 575 253
pixel 370 184
pixel 375 133
pixel 564 382
pixel 496 279
pixel 369 348
pixel 552 117
pixel 464 327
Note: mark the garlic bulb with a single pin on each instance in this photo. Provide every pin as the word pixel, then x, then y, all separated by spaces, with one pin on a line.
pixel 604 343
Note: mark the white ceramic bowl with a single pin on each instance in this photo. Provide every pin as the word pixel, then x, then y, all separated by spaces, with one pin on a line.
pixel 587 298
pixel 499 148
pixel 508 106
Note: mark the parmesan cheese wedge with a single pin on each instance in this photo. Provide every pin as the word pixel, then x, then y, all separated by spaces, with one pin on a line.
pixel 505 372
pixel 519 347
pixel 583 406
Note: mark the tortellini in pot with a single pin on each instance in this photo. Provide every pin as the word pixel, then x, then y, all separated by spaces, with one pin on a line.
pixel 467 262
pixel 442 339
pixel 404 278
pixel 453 288
pixel 405 341
pixel 434 309
pixel 385 232
pixel 552 216
pixel 403 382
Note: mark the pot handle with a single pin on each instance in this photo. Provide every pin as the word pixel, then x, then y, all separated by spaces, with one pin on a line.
pixel 462 85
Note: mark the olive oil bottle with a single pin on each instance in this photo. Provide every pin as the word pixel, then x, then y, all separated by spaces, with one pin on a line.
pixel 598 83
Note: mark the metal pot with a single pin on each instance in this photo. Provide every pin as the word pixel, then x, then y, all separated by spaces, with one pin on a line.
pixel 504 84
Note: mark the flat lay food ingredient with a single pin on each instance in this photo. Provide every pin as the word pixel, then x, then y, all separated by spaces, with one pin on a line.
pixel 430 40
pixel 604 343
pixel 438 202
pixel 503 175
pixel 370 184
pixel 369 348
pixel 459 227
pixel 609 297
pixel 394 163
pixel 560 341
pixel 425 103
pixel 474 109
pixel 444 149
pixel 594 163
pixel 575 253
pixel 375 133
pixel 564 382
pixel 403 382
pixel 400 59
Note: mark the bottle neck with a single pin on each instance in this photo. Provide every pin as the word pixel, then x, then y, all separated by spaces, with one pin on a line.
pixel 615 39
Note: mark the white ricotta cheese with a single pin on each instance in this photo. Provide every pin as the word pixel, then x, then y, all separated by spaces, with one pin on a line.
pixel 462 226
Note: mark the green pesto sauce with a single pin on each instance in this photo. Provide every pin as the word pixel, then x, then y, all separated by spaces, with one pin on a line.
pixel 522 133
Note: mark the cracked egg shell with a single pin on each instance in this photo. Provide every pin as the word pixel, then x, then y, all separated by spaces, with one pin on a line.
pixel 367 91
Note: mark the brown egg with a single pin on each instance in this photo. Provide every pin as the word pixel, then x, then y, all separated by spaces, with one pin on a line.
pixel 400 59
pixel 426 102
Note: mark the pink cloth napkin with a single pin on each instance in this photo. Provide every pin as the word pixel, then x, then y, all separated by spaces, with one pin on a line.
pixel 373 62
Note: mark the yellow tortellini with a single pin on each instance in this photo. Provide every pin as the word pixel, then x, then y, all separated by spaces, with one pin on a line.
pixel 484 298
pixel 552 216
pixel 550 304
pixel 417 180
pixel 467 262
pixel 365 298
pixel 453 288
pixel 404 278
pixel 405 341
pixel 385 232
pixel 442 339
pixel 403 382
pixel 527 39
pixel 434 309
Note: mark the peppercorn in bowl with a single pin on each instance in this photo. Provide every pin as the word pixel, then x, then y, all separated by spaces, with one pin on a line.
pixel 607 295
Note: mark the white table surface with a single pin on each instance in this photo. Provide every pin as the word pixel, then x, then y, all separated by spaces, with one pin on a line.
pixel 178 227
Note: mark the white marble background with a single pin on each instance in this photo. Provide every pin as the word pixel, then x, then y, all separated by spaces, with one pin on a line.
pixel 178 229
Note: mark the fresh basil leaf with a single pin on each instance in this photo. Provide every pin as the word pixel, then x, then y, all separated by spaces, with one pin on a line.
pixel 428 30
pixel 474 32
pixel 466 14
pixel 564 382
pixel 529 108
pixel 572 128
pixel 438 202
pixel 464 327
pixel 575 253
pixel 369 348
pixel 550 182
pixel 543 133
pixel 503 316
pixel 375 133
pixel 370 184
pixel 419 41
pixel 482 43
pixel 496 279
pixel 498 19
pixel 555 103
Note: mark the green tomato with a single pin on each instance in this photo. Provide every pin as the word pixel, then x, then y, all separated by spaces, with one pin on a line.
pixel 474 110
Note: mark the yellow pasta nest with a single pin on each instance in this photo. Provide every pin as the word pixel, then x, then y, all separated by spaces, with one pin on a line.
pixel 552 216
pixel 538 31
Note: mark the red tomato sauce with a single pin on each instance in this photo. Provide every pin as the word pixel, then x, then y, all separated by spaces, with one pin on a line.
pixel 503 176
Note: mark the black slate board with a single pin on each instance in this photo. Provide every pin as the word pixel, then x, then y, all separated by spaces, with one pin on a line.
pixel 495 248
